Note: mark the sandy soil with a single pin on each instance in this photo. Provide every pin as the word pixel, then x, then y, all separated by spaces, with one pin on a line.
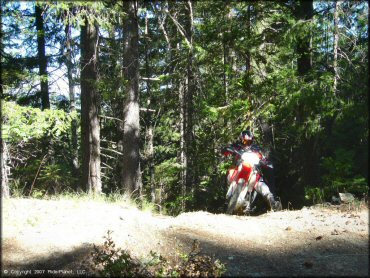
pixel 55 237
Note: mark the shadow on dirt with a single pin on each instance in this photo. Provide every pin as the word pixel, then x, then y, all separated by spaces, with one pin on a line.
pixel 57 264
pixel 334 258
pixel 331 258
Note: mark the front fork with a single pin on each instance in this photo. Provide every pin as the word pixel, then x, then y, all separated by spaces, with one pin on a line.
pixel 244 189
pixel 232 181
pixel 249 200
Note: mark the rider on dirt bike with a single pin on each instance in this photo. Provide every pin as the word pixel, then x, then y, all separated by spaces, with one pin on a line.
pixel 246 143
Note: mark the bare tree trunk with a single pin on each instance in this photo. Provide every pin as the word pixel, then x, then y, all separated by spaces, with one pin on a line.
pixel 225 55
pixel 248 53
pixel 150 148
pixel 327 40
pixel 335 50
pixel 304 11
pixel 149 116
pixel 90 129
pixel 186 96
pixel 5 192
pixel 131 176
pixel 183 153
pixel 72 101
pixel 189 102
pixel 45 102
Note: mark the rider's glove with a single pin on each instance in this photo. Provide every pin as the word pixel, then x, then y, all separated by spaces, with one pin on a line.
pixel 225 151
pixel 257 167
pixel 265 163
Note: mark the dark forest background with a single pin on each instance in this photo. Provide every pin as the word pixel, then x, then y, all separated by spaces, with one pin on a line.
pixel 139 97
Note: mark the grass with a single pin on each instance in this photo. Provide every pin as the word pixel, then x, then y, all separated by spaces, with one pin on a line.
pixel 77 197
pixel 354 206
pixel 357 205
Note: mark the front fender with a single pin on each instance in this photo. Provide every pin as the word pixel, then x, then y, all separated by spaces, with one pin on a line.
pixel 236 193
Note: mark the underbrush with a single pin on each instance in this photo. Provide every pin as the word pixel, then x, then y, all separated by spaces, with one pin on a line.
pixel 111 261
pixel 358 188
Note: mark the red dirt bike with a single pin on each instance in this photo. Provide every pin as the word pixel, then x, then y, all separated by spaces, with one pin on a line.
pixel 242 180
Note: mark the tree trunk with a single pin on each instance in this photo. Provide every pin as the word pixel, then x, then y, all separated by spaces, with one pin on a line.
pixel 225 55
pixel 248 61
pixel 304 11
pixel 45 102
pixel 72 101
pixel 131 176
pixel 4 170
pixel 149 116
pixel 189 101
pixel 335 50
pixel 186 96
pixel 90 129
pixel 228 53
pixel 183 152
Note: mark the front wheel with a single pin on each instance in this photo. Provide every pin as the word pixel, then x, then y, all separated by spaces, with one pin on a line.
pixel 233 200
pixel 250 207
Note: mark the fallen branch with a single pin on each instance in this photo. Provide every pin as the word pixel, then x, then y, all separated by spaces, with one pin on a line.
pixel 223 107
pixel 111 118
pixel 150 78
pixel 37 174
pixel 117 152
pixel 105 155
pixel 147 110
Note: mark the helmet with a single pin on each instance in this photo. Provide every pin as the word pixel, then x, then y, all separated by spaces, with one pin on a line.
pixel 246 137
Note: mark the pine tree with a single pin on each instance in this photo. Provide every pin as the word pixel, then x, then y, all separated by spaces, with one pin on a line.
pixel 131 176
pixel 45 102
pixel 90 129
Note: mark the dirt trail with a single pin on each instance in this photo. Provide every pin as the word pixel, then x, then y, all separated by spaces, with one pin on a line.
pixel 56 236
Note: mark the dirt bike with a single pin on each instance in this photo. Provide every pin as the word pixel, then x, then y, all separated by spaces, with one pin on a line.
pixel 242 181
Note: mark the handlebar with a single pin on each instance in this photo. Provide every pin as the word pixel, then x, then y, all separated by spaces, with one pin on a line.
pixel 233 150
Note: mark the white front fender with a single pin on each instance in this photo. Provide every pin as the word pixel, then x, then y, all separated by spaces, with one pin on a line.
pixel 231 189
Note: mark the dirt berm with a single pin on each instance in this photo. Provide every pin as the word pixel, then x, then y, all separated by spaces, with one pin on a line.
pixel 56 236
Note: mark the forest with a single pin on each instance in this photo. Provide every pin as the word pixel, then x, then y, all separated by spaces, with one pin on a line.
pixel 139 97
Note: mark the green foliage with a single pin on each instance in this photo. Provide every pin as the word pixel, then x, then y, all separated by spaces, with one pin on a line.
pixel 38 143
pixel 111 261
pixel 245 72
pixel 357 186
pixel 167 171
pixel 23 123
pixel 54 176
pixel 338 167
pixel 315 195
pixel 16 189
